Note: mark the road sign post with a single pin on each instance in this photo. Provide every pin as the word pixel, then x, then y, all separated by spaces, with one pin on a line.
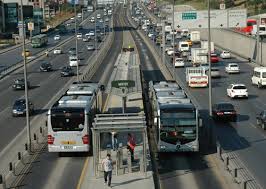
pixel 30 28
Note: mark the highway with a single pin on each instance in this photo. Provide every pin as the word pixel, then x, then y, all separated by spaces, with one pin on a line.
pixel 243 138
pixel 64 172
pixel 38 93
pixel 14 56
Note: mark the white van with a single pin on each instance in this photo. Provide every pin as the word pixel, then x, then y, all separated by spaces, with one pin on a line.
pixel 183 46
pixel 259 76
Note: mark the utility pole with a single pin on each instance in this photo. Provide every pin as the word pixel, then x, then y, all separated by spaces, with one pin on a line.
pixel 173 35
pixel 209 58
pixel 25 77
pixel 95 23
pixel 258 59
pixel 75 10
pixel 163 41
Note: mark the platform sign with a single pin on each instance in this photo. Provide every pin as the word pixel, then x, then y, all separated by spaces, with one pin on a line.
pixel 219 19
pixel 123 83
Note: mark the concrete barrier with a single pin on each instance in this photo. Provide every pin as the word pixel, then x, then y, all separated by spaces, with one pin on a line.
pixel 241 45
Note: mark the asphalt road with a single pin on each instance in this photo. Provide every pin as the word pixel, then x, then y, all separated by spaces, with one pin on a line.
pixel 38 93
pixel 13 56
pixel 64 172
pixel 244 137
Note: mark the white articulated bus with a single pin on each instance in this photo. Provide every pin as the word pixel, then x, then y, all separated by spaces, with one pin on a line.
pixel 176 119
pixel 70 118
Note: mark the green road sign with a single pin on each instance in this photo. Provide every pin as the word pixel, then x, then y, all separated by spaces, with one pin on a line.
pixel 189 16
pixel 123 83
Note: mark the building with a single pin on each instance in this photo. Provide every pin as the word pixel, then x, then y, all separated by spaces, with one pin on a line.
pixel 2 17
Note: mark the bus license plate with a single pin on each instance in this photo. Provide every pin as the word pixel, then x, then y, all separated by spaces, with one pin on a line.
pixel 68 142
pixel 68 147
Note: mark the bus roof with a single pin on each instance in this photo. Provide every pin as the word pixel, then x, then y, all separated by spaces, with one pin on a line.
pixel 166 86
pixel 75 101
pixel 171 94
pixel 82 88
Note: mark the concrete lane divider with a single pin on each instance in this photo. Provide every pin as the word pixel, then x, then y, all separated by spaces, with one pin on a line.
pixel 20 165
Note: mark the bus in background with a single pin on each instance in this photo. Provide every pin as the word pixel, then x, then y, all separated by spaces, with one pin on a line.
pixel 39 40
pixel 70 118
pixel 248 29
pixel 175 118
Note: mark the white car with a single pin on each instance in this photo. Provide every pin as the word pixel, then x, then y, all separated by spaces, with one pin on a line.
pixel 57 37
pixel 92 19
pixel 72 18
pixel 86 39
pixel 58 50
pixel 237 90
pixel 232 68
pixel 79 15
pixel 79 35
pixel 73 61
pixel 170 52
pixel 225 54
pixel 91 33
pixel 179 62
pixel 98 16
pixel 150 35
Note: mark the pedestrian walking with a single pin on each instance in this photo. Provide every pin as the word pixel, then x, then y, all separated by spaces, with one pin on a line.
pixel 114 141
pixel 131 145
pixel 107 167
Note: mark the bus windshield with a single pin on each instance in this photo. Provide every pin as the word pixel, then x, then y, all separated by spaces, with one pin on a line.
pixel 67 121
pixel 35 40
pixel 185 118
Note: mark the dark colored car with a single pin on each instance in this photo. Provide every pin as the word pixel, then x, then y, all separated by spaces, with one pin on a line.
pixel 46 67
pixel 19 84
pixel 224 111
pixel 261 119
pixel 19 108
pixel 72 51
pixel 67 71
pixel 99 39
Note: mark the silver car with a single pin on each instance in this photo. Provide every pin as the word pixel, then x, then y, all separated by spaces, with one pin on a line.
pixel 215 72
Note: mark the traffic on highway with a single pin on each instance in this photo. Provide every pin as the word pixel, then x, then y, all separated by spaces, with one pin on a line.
pixel 122 95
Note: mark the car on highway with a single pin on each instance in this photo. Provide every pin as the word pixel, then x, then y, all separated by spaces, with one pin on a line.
pixel 99 39
pixel 225 55
pixel 98 16
pixel 214 58
pixel 85 39
pixel 57 50
pixel 224 111
pixel 27 53
pixel 92 19
pixel 237 91
pixel 46 67
pixel 169 37
pixel 90 47
pixel 100 21
pixel 79 35
pixel 261 119
pixel 259 77
pixel 57 37
pixel 179 62
pixel 73 61
pixel 19 84
pixel 19 108
pixel 215 72
pixel 72 18
pixel 91 33
pixel 72 51
pixel 106 19
pixel 79 15
pixel 232 68
pixel 67 71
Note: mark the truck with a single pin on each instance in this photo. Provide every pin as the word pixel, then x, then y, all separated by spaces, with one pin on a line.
pixel 204 45
pixel 183 46
pixel 262 31
pixel 89 8
pixel 195 37
pixel 196 77
pixel 197 56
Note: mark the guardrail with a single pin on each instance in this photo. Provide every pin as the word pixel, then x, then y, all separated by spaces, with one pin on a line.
pixel 237 169
pixel 20 164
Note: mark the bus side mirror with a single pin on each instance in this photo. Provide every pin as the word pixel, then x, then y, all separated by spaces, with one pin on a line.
pixel 200 122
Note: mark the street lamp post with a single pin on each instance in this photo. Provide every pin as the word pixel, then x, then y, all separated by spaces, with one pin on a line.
pixel 209 58
pixel 173 35
pixel 75 10
pixel 25 77
pixel 95 24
